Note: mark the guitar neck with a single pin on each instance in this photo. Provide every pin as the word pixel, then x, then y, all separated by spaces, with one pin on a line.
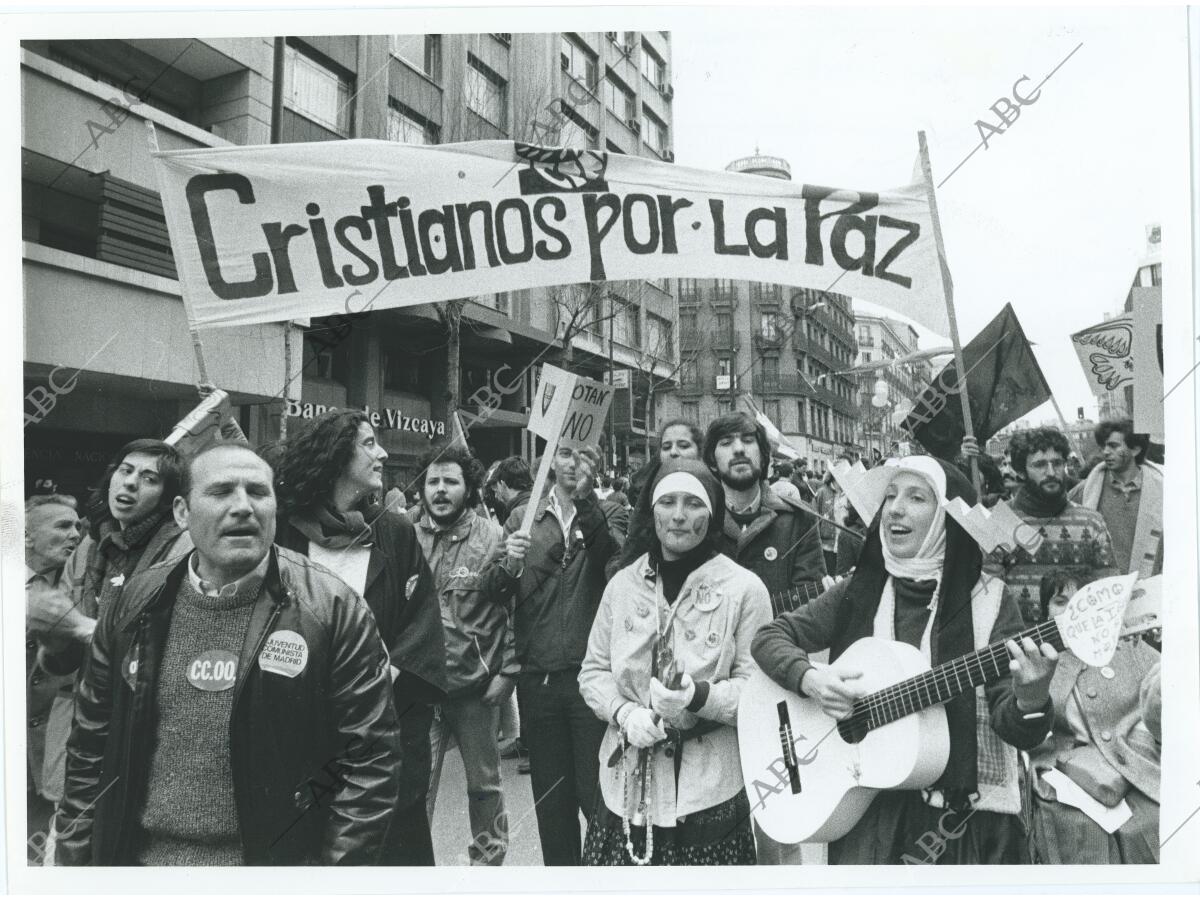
pixel 948 680
pixel 794 598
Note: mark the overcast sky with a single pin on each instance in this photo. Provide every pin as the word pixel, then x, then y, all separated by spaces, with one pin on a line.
pixel 1050 216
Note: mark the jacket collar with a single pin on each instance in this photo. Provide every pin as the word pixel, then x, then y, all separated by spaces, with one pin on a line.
pixel 166 592
pixel 461 527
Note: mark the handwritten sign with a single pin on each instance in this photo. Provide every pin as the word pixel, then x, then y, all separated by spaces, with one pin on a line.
pixel 1091 624
pixel 569 410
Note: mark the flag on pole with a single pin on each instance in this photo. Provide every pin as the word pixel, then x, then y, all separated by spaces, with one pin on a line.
pixel 778 443
pixel 1003 382
pixel 205 425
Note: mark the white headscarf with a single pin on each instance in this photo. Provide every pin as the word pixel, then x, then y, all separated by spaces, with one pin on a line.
pixel 926 565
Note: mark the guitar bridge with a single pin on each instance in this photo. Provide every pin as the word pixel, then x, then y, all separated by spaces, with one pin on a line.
pixel 788 746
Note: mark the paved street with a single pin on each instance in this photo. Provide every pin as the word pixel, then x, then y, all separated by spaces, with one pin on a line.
pixel 452 828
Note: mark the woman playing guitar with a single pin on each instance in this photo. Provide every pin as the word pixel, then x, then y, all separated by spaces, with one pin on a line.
pixel 918 581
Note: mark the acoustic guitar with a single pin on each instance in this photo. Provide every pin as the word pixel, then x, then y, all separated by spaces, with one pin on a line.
pixel 811 778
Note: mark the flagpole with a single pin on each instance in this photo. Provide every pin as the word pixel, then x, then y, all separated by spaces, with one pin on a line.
pixel 948 291
pixel 197 344
pixel 1066 428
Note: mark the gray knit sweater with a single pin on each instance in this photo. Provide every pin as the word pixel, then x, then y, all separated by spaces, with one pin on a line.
pixel 190 817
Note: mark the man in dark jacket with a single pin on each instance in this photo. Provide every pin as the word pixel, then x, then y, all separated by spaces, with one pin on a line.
pixel 510 484
pixel 474 586
pixel 775 539
pixel 557 599
pixel 772 537
pixel 236 706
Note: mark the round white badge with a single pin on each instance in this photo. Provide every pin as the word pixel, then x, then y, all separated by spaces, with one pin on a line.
pixel 770 554
pixel 213 670
pixel 285 653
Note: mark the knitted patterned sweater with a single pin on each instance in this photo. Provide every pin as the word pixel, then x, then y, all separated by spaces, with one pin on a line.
pixel 1076 540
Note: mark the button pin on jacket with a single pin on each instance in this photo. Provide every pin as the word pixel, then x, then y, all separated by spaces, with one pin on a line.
pixel 770 554
pixel 713 639
pixel 643 610
pixel 1108 672
pixel 689 635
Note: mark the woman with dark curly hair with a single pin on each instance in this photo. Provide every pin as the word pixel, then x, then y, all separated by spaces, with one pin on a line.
pixel 328 480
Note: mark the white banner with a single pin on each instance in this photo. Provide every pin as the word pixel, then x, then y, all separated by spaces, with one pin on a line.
pixel 278 232
pixel 1105 352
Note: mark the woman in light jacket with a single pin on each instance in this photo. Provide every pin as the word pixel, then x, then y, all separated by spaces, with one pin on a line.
pixel 681 616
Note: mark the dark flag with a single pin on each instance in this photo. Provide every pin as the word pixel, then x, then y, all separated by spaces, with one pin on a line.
pixel 1003 383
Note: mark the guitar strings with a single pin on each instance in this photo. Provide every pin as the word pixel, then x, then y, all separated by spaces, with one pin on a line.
pixel 893 699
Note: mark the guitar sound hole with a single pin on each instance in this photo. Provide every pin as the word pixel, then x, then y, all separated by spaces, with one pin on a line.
pixel 853 728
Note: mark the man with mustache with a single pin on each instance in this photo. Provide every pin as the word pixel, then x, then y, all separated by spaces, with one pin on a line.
pixel 1074 539
pixel 475 571
pixel 236 706
pixel 773 537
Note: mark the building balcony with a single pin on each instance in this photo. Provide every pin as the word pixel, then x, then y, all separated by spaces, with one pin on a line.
pixel 782 384
pixel 724 296
pixel 770 339
pixel 690 339
pixel 723 339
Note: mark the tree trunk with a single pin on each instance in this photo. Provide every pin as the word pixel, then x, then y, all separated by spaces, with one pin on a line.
pixel 453 316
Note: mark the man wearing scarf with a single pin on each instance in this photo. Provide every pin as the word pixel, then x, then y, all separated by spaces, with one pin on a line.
pixel 933 599
pixel 1074 539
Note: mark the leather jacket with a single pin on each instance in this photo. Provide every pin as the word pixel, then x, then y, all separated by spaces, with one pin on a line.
pixel 315 756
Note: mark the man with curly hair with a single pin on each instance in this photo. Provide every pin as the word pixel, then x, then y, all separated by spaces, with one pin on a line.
pixel 1074 539
pixel 475 571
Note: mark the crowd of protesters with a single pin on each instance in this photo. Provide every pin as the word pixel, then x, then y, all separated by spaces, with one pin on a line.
pixel 262 657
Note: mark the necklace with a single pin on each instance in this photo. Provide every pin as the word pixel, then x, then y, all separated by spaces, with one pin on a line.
pixel 645 768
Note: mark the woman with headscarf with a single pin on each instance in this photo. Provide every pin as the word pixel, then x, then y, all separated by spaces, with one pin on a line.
pixel 328 481
pixel 667 656
pixel 918 580
pixel 678 439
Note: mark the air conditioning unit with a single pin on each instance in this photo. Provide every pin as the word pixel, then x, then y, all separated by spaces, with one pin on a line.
pixel 669 92
pixel 634 125
pixel 669 155
pixel 611 35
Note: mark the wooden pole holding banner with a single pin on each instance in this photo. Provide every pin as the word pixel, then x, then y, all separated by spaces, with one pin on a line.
pixel 948 291
pixel 1067 430
pixel 539 484
pixel 197 344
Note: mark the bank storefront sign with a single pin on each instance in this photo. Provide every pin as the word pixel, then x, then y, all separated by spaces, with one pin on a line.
pixel 381 420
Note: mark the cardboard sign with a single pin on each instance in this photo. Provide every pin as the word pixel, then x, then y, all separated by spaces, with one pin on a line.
pixel 995 527
pixel 1106 355
pixel 1148 350
pixel 551 402
pixel 864 488
pixel 568 410
pixel 1093 620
